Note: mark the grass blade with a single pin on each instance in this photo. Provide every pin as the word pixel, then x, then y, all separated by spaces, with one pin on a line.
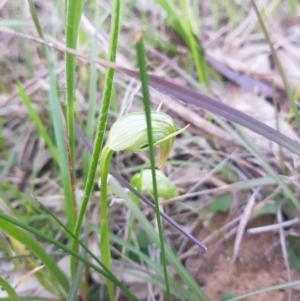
pixel 9 290
pixel 38 123
pixel 90 126
pixel 69 195
pixel 278 65
pixel 12 230
pixel 76 282
pixel 7 220
pixel 85 248
pixel 114 33
pixel 267 289
pixel 146 99
pixel 73 10
pixel 70 203
pixel 199 60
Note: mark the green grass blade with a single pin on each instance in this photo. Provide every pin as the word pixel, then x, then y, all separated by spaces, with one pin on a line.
pixel 73 10
pixel 27 298
pixel 76 282
pixel 106 273
pixel 107 91
pixel 267 289
pixel 69 197
pixel 11 159
pixel 35 18
pixel 199 60
pixel 185 30
pixel 91 120
pixel 32 245
pixel 38 123
pixel 278 65
pixel 69 194
pixel 146 99
pixel 85 248
pixel 12 295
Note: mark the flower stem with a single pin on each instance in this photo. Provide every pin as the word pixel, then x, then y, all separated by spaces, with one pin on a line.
pixel 104 231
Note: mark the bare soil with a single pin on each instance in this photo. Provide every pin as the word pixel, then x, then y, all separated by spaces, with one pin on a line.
pixel 260 265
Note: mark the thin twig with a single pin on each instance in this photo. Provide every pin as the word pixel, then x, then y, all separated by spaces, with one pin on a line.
pixel 284 249
pixel 274 227
pixel 243 223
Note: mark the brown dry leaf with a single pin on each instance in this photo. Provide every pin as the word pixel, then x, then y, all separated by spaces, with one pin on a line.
pixel 258 108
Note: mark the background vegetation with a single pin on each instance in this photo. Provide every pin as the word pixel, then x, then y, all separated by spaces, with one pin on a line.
pixel 230 69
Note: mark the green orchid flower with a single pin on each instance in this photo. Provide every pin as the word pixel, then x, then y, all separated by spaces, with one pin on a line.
pixel 165 188
pixel 129 133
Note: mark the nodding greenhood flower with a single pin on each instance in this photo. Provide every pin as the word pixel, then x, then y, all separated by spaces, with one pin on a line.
pixel 165 188
pixel 129 133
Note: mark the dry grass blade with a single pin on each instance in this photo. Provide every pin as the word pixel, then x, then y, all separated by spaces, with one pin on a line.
pixel 29 274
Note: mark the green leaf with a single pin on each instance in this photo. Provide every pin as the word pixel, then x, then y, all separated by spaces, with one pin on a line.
pixel 142 239
pixel 227 296
pixel 294 261
pixel 9 290
pixel 269 208
pixel 221 203
pixel 294 252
